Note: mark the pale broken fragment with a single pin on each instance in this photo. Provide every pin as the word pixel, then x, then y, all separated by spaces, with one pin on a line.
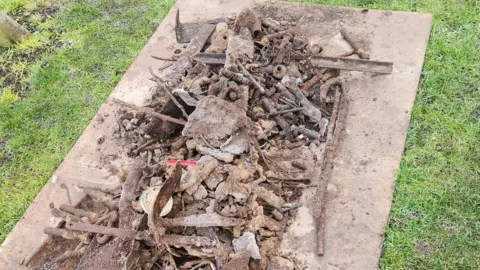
pixel 200 194
pixel 277 214
pixel 239 46
pixel 242 172
pixel 237 144
pixel 215 119
pixel 199 252
pixel 232 188
pixel 196 174
pixel 214 179
pixel 262 221
pixel 201 220
pixel 268 196
pixel 147 199
pixel 218 154
pixel 247 243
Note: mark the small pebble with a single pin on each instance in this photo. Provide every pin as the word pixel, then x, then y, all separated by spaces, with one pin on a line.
pixel 134 121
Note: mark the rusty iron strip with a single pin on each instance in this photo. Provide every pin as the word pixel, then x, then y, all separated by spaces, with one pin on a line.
pixel 125 210
pixel 285 111
pixel 65 216
pixel 184 32
pixel 282 49
pixel 352 64
pixel 111 218
pixel 69 198
pixel 198 41
pixel 151 112
pixel 326 174
pixel 128 235
pixel 163 196
pixel 162 58
pixel 310 83
pixel 124 234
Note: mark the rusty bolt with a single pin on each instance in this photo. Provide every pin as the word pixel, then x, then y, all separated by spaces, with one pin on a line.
pixel 279 71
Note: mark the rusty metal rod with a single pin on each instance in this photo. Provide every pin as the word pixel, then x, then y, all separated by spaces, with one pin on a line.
pixel 253 81
pixel 278 34
pixel 285 111
pixel 151 112
pixel 310 83
pixel 90 215
pixel 167 91
pixel 326 174
pixel 353 43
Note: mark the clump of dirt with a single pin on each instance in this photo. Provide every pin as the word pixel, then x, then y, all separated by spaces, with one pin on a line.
pixel 15 62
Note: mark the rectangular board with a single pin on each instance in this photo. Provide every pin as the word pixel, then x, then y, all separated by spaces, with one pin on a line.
pixel 374 126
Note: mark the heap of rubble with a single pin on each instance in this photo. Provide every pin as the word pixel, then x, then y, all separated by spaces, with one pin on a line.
pixel 239 122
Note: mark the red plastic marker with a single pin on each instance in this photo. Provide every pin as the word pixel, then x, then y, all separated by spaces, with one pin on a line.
pixel 172 162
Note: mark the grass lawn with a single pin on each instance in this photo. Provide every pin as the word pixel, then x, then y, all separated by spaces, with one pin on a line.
pixel 81 50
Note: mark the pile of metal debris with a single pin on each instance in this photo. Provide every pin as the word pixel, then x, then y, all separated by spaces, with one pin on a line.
pixel 242 119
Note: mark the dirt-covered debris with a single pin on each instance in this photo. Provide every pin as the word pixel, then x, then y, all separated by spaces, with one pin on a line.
pixel 237 126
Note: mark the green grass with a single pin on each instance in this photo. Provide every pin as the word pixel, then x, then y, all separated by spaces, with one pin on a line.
pixel 435 218
pixel 67 86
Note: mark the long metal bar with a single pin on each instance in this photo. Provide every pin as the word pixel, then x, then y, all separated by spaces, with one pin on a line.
pixel 352 64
